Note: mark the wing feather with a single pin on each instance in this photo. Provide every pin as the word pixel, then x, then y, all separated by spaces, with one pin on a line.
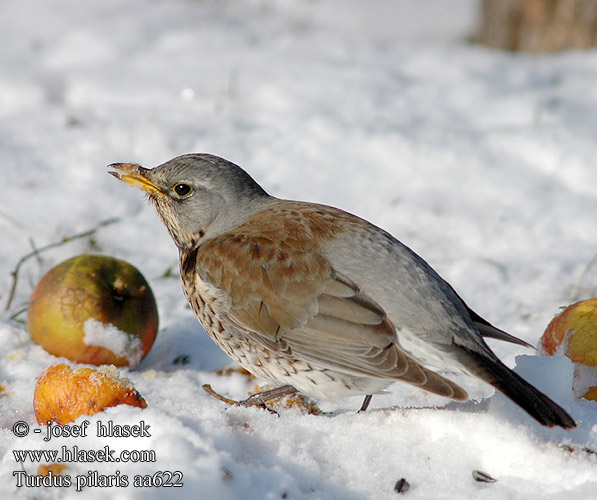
pixel 288 298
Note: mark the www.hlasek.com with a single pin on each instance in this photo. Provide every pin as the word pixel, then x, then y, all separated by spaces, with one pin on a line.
pixel 74 454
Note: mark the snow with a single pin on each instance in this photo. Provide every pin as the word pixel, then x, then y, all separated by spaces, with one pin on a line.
pixel 481 161
pixel 107 335
pixel 585 377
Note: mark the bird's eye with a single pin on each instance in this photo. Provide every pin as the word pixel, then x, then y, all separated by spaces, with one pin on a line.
pixel 182 189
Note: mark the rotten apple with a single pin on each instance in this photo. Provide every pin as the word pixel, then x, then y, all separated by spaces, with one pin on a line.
pixel 62 395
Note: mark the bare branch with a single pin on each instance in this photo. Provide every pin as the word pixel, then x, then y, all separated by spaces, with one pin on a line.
pixel 37 251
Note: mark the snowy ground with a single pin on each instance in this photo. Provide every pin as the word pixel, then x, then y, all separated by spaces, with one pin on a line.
pixel 481 161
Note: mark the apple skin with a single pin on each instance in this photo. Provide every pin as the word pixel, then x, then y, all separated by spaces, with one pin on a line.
pixel 106 289
pixel 62 395
pixel 575 329
pixel 574 333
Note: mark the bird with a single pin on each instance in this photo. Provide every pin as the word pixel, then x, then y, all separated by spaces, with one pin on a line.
pixel 316 300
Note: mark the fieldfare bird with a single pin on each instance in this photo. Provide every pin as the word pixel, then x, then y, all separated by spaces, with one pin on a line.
pixel 314 299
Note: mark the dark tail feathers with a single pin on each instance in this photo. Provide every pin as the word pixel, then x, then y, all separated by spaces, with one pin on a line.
pixel 530 399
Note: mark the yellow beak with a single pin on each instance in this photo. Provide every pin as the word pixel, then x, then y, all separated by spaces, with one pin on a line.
pixel 134 175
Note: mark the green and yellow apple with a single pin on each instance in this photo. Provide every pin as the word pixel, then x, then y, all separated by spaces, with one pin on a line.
pixel 94 309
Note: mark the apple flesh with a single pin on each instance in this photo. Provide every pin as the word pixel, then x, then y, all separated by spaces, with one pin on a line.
pixel 94 309
pixel 62 395
pixel 55 469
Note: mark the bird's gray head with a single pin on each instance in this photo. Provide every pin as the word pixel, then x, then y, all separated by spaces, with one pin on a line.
pixel 197 196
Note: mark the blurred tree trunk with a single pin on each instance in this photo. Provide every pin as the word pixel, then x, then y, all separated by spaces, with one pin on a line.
pixel 538 25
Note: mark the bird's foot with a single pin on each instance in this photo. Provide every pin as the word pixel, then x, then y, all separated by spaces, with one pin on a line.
pixel 260 399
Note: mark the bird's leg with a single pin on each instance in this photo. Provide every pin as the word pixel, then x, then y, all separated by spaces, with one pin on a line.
pixel 366 402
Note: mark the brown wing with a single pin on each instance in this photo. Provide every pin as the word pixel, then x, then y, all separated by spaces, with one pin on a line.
pixel 288 298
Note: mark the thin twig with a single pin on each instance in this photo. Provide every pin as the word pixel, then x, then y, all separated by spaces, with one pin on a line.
pixel 37 251
pixel 207 388
pixel 11 220
pixel 576 292
pixel 15 315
